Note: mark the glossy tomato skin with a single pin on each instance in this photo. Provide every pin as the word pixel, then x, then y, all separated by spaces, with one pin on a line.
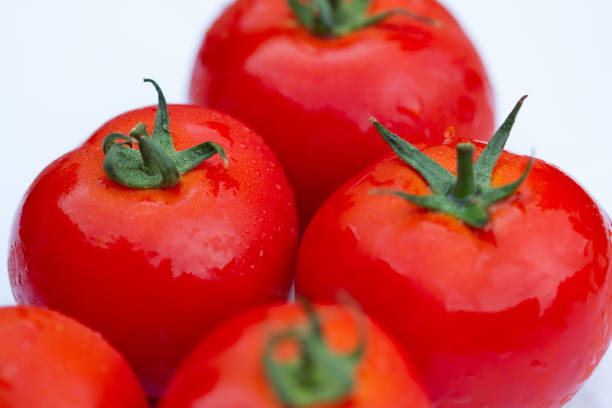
pixel 311 98
pixel 48 360
pixel 154 269
pixel 514 315
pixel 225 369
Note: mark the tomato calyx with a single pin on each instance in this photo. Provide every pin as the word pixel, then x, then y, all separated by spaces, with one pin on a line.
pixel 468 195
pixel 156 163
pixel 335 18
pixel 317 375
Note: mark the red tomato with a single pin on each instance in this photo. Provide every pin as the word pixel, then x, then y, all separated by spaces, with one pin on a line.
pixel 514 314
pixel 311 97
pixel 153 269
pixel 227 369
pixel 50 361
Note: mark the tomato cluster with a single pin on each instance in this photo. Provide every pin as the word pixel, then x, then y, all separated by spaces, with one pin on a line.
pixel 468 276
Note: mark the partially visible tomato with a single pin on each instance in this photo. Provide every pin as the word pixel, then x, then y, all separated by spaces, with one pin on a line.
pixel 50 361
pixel 309 95
pixel 153 269
pixel 507 307
pixel 327 357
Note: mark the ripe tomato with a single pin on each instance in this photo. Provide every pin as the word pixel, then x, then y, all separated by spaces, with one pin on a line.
pixel 324 359
pixel 514 313
pixel 51 361
pixel 310 96
pixel 153 269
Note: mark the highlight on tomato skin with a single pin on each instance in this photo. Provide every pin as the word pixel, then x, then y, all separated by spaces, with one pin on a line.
pixel 310 96
pixel 510 311
pixel 150 265
pixel 228 367
pixel 48 360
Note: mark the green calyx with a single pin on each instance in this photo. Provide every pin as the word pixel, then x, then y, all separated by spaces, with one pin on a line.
pixel 156 163
pixel 468 195
pixel 335 18
pixel 317 375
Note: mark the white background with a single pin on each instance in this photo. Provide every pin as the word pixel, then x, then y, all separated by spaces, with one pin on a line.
pixel 68 66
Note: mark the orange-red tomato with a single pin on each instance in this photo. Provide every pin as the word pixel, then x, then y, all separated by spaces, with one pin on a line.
pixel 227 370
pixel 50 361
pixel 310 98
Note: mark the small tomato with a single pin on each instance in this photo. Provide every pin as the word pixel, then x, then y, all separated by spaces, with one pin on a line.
pixel 279 356
pixel 307 75
pixel 48 360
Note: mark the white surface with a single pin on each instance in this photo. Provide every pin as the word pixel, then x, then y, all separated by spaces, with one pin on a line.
pixel 68 66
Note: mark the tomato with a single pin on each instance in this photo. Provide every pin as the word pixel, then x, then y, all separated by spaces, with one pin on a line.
pixel 328 358
pixel 310 96
pixel 504 308
pixel 153 269
pixel 51 361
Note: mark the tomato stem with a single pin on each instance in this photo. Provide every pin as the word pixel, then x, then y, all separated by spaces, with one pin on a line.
pixel 335 18
pixel 156 164
pixel 469 195
pixel 317 375
pixel 466 183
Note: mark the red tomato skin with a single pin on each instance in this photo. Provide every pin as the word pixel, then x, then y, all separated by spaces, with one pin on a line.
pixel 154 269
pixel 48 360
pixel 514 315
pixel 225 370
pixel 311 98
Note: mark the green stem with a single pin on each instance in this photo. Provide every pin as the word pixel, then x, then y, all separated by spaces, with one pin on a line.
pixel 465 185
pixel 317 375
pixel 468 195
pixel 336 18
pixel 156 163
pixel 154 159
